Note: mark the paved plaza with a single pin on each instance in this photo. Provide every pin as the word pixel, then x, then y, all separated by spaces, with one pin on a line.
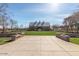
pixel 39 46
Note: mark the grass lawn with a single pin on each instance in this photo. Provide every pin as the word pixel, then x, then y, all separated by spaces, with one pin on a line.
pixel 40 33
pixel 3 40
pixel 74 40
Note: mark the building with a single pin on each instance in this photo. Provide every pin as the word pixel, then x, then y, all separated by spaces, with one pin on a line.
pixel 39 26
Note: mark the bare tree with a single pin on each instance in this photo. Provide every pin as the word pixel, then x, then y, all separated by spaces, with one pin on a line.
pixel 12 23
pixel 72 21
pixel 3 15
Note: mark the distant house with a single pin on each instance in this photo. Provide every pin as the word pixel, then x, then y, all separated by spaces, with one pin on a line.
pixel 58 28
pixel 39 26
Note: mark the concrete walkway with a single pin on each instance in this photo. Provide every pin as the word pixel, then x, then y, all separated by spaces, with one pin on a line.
pixel 39 46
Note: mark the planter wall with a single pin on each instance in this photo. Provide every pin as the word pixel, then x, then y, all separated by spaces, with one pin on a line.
pixel 64 37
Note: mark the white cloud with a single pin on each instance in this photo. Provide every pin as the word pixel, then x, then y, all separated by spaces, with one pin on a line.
pixel 63 15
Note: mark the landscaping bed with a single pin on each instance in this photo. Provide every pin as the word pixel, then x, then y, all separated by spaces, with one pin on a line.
pixel 8 37
pixel 69 37
pixel 63 37
pixel 74 38
pixel 74 35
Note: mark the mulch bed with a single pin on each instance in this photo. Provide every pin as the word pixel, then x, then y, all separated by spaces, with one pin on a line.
pixel 63 37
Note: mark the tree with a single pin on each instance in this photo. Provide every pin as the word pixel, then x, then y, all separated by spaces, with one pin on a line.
pixel 66 24
pixel 71 21
pixel 3 16
pixel 12 23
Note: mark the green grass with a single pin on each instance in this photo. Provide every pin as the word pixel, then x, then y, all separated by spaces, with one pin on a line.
pixel 3 40
pixel 40 33
pixel 74 40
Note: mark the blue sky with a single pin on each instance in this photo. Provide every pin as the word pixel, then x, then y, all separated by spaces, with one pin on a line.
pixel 54 13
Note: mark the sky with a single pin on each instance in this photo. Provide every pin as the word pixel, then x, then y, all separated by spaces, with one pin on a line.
pixel 54 13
